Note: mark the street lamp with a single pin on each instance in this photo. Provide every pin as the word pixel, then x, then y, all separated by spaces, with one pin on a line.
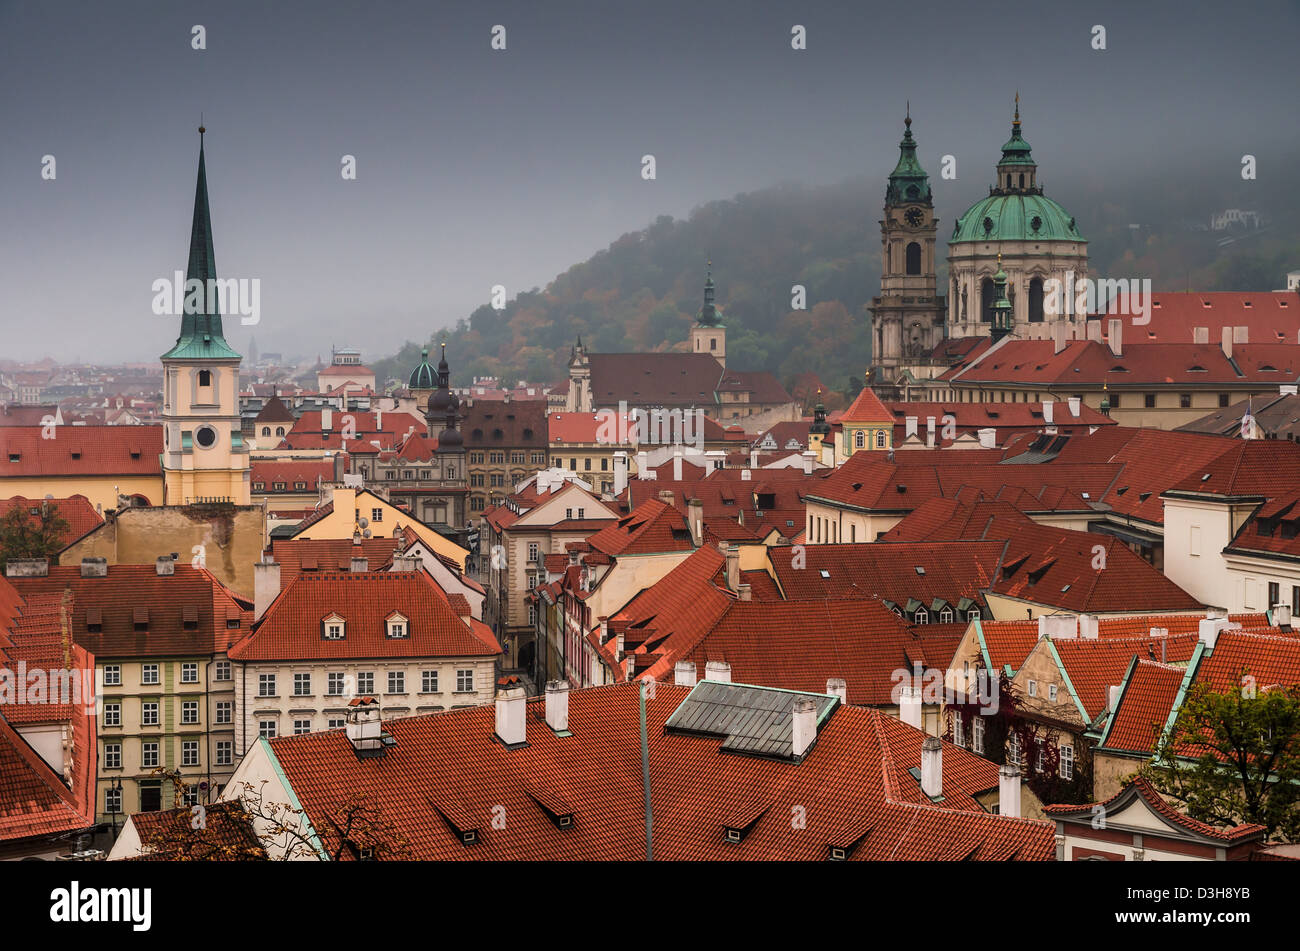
pixel 116 790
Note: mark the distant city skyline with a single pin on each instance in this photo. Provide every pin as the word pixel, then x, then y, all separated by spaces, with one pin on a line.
pixel 477 167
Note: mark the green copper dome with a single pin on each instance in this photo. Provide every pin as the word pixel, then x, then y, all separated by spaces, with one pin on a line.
pixel 1015 217
pixel 422 377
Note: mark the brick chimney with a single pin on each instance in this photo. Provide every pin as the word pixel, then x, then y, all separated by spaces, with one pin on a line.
pixel 932 767
pixel 805 725
pixel 511 705
pixel 1009 791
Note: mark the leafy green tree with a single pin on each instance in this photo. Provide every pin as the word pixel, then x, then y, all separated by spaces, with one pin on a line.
pixel 1234 757
pixel 27 535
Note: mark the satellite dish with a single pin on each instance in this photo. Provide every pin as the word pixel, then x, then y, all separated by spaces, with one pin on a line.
pixel 363 522
pixel 49 495
pixel 366 533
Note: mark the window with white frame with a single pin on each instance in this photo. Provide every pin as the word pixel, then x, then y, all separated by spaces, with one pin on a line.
pixel 335 723
pixel 973 614
pixel 397 627
pixel 465 681
pixel 376 515
pixel 860 439
pixel 334 682
pixel 266 685
pixel 945 615
pixel 1033 688
pixel 189 673
pixel 112 755
pixel 225 711
pixel 301 726
pixel 977 735
pixel 1013 749
pixel 396 681
pixel 189 711
pixel 1067 762
pixel 190 797
pixel 225 752
pixel 302 685
pixel 149 754
pixel 334 628
pixel 113 799
pixel 112 714
pixel 266 729
pixel 880 439
pixel 532 551
pixel 112 675
pixel 222 671
pixel 1040 756
pixel 366 683
pixel 958 738
pixel 1051 692
pixel 149 713
pixel 921 616
pixel 189 752
pixel 148 673
pixel 428 681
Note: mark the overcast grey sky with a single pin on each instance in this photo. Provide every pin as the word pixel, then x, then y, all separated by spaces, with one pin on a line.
pixel 478 167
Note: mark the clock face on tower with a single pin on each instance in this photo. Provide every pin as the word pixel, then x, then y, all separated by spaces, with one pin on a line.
pixel 913 217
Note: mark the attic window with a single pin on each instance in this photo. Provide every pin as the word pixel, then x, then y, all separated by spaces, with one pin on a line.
pixel 1206 477
pixel 333 628
pixel 397 626
pixel 76 454
pixel 14 456
pixel 825 574
pixel 94 620
pixel 920 570
pixel 1143 496
pixel 141 619
pixel 190 617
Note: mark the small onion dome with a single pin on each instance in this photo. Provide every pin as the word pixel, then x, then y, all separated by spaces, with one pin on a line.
pixel 450 440
pixel 422 377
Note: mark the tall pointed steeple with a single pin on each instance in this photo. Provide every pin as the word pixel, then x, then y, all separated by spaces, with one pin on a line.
pixel 709 316
pixel 1002 313
pixel 908 181
pixel 201 334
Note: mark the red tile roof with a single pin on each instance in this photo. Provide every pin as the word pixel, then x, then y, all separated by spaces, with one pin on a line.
pixel 1247 467
pixel 1151 796
pixel 853 788
pixel 81 450
pixel 1148 696
pixel 311 472
pixel 587 428
pixel 296 555
pixel 866 408
pixel 1268 317
pixel 227 835
pixel 76 510
pixel 651 527
pixel 187 613
pixel 1094 666
pixel 292 628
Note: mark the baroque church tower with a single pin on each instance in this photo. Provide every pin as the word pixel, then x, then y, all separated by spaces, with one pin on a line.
pixel 907 319
pixel 709 335
pixel 205 458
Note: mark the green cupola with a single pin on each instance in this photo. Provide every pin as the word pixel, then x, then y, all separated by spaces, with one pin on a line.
pixel 422 377
pixel 1002 314
pixel 710 316
pixel 201 336
pixel 908 181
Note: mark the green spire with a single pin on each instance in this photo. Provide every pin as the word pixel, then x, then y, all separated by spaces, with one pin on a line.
pixel 201 333
pixel 1016 150
pixel 709 316
pixel 908 181
pixel 1002 317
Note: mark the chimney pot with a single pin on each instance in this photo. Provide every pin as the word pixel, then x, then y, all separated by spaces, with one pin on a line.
pixel 163 566
pixel 909 706
pixel 932 767
pixel 1112 697
pixel 684 673
pixel 733 568
pixel 97 567
pixel 838 687
pixel 744 592
pixel 557 705
pixel 718 670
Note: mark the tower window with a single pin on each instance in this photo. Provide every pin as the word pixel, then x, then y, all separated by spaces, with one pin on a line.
pixel 914 258
pixel 1036 300
pixel 988 294
pixel 1022 179
pixel 205 378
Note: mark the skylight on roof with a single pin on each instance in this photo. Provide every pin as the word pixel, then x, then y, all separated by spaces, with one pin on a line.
pixel 825 573
pixel 920 570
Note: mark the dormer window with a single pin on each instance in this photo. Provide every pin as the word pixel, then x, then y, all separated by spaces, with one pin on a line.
pixel 397 626
pixel 333 628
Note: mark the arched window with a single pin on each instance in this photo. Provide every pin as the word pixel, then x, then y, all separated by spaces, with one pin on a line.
pixel 988 294
pixel 266 430
pixel 1036 301
pixel 205 378
pixel 880 439
pixel 860 439
pixel 914 258
pixel 279 430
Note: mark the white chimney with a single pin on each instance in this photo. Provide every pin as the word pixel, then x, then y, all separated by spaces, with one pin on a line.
pixel 1241 335
pixel 1009 791
pixel 718 670
pixel 620 472
pixel 746 475
pixel 1288 389
pixel 266 586
pixel 753 458
pixel 1076 404
pixel 909 706
pixel 94 568
pixel 733 568
pixel 557 705
pixel 677 463
pixel 909 427
pixel 932 767
pixel 1282 616
pixel 326 419
pixel 744 592
pixel 1058 337
pixel 988 438
pixel 364 728
pixel 1049 412
pixel 511 705
pixel 1112 697
pixel 359 564
pixel 929 432
pixel 1200 335
pixel 1088 627
pixel 1227 342
pixel 805 725
pixel 684 673
pixel 1058 626
pixel 838 687
pixel 809 457
pixel 695 521
pixel 379 420
pixel 163 566
pixel 1094 331
pixel 1116 336
pixel 642 465
pixel 1209 629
